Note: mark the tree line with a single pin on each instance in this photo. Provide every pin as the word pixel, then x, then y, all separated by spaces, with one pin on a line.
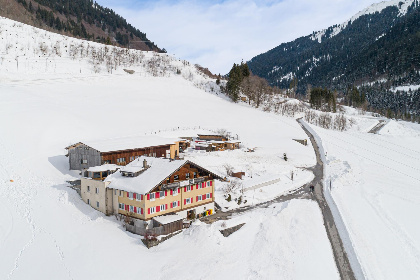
pixel 72 16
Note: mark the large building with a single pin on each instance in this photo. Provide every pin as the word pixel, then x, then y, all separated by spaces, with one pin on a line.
pixel 120 151
pixel 150 187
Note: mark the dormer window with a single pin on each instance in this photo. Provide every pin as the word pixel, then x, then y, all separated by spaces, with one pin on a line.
pixel 176 177
pixel 187 176
pixel 195 174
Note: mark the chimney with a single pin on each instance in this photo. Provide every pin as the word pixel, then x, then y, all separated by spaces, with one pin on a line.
pixel 145 164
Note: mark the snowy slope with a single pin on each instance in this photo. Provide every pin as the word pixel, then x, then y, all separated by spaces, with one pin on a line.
pixel 47 232
pixel 37 53
pixel 402 6
pixel 375 184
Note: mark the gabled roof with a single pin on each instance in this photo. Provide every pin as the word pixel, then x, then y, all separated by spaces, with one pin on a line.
pixel 160 169
pixel 126 143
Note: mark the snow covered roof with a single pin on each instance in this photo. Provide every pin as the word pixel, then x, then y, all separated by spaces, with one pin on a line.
pixel 104 167
pixel 127 143
pixel 159 169
pixel 167 219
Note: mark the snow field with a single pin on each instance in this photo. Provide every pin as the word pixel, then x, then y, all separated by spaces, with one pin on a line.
pixel 375 181
pixel 46 231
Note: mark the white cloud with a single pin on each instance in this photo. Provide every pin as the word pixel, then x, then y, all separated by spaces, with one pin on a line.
pixel 217 34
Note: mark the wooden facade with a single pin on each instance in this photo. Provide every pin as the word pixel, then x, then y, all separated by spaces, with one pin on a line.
pixel 212 137
pixel 127 156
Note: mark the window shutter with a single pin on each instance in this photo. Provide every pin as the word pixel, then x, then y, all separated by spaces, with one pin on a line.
pixel 166 206
pixel 141 197
pixel 178 202
pixel 148 210
pixel 128 194
pixel 141 211
pixel 158 208
pixel 196 187
pixel 196 198
pixel 185 189
pixel 185 201
pixel 204 197
pixel 211 183
pixel 135 209
pixel 148 196
pixel 166 192
pixel 126 208
pixel 134 195
pixel 192 200
pixel 211 195
pixel 171 204
pixel 157 195
pixel 172 192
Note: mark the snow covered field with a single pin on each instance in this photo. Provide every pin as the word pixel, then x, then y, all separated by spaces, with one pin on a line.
pixel 47 232
pixel 375 184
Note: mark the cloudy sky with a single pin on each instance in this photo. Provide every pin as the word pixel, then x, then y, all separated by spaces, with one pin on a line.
pixel 217 33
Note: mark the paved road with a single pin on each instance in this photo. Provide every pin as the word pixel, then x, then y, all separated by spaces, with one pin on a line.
pixel 340 255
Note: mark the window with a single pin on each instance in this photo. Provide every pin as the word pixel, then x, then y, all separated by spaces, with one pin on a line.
pixel 120 160
pixel 208 195
pixel 96 190
pixel 136 157
pixel 175 192
pixel 121 194
pixel 163 207
pixel 138 197
pixel 97 204
pixel 88 188
pixel 152 196
pixel 83 161
pixel 151 210
pixel 188 188
pixel 130 195
pixel 88 201
pixel 199 198
pixel 162 194
pixel 121 206
pixel 174 204
pixel 168 180
pixel 195 174
pixel 131 208
pixel 208 184
pixel 176 177
pixel 187 201
pixel 107 161
pixel 187 176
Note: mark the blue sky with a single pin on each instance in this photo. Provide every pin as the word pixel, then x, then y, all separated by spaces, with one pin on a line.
pixel 215 34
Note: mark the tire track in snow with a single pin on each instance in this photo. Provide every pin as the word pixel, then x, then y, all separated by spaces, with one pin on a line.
pixel 400 234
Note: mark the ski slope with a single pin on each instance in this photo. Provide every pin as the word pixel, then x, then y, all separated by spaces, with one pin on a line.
pixel 48 232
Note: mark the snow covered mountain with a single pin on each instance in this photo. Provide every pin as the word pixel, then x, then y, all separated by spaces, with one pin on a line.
pixel 377 48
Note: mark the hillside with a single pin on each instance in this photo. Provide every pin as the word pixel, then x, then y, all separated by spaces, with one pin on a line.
pixel 377 48
pixel 55 100
pixel 57 90
pixel 79 18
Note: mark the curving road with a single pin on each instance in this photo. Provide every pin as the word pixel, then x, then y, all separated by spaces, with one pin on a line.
pixel 340 255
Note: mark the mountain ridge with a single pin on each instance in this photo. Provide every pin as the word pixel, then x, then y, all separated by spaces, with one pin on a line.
pixel 83 19
pixel 378 50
